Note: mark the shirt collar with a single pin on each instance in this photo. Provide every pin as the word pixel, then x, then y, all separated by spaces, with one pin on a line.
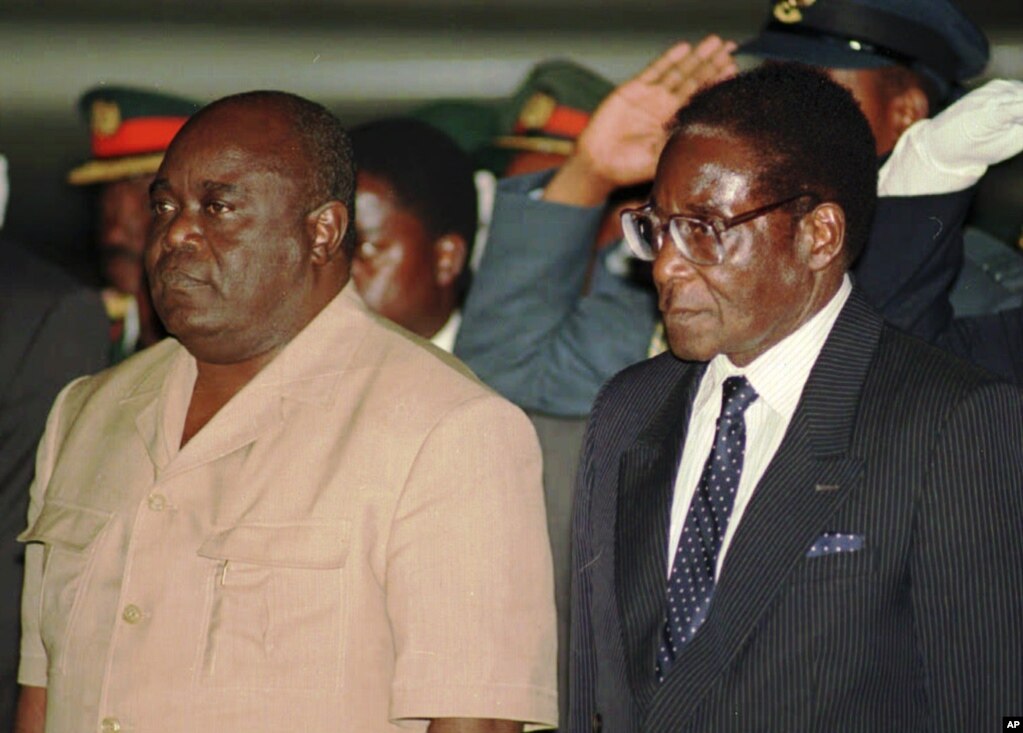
pixel 445 337
pixel 780 373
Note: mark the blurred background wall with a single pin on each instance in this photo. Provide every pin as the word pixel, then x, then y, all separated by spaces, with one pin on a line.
pixel 362 59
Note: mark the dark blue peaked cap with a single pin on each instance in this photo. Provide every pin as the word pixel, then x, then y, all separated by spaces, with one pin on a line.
pixel 932 37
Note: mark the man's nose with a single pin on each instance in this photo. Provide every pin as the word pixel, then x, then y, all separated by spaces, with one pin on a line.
pixel 182 231
pixel 112 231
pixel 670 264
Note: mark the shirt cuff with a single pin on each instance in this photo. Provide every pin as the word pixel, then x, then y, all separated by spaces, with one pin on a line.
pixel 534 706
pixel 32 671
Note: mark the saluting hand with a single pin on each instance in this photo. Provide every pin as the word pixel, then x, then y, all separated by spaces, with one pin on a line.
pixel 623 140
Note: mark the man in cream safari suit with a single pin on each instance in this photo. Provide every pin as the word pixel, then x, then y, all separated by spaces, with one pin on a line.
pixel 294 516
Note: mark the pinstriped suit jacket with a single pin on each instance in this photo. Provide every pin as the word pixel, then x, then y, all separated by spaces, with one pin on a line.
pixel 922 629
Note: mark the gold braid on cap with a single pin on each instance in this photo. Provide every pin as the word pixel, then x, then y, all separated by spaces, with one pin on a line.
pixel 787 11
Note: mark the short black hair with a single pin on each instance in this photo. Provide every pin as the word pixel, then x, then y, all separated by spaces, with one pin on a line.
pixel 808 133
pixel 432 178
pixel 327 147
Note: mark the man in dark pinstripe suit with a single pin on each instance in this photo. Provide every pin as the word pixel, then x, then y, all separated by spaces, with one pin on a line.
pixel 869 575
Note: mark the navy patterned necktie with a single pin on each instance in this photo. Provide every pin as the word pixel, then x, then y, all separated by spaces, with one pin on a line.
pixel 691 584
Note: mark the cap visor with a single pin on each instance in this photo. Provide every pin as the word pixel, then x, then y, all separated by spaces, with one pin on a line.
pixel 551 145
pixel 114 169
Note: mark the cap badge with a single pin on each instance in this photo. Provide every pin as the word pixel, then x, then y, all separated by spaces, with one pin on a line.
pixel 105 117
pixel 788 11
pixel 537 110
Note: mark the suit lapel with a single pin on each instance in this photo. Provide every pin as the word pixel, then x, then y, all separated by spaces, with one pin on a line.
pixel 144 403
pixel 646 482
pixel 810 476
pixel 147 423
pixel 255 410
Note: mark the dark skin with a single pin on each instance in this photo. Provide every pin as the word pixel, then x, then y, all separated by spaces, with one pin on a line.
pixel 889 112
pixel 121 237
pixel 30 716
pixel 242 255
pixel 776 274
pixel 402 272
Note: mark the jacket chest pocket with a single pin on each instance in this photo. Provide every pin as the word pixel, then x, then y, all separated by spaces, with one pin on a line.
pixel 276 607
pixel 67 537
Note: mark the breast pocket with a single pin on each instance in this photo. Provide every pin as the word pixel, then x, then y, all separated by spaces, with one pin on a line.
pixel 838 566
pixel 277 607
pixel 68 535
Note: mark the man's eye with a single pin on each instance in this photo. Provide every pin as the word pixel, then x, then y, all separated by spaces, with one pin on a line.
pixel 160 207
pixel 696 229
pixel 217 207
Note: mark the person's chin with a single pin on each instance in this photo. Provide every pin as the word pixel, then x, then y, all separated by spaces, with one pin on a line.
pixel 691 335
pixel 187 320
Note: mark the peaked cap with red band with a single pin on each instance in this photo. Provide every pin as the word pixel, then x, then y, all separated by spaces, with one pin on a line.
pixel 545 114
pixel 131 128
pixel 551 107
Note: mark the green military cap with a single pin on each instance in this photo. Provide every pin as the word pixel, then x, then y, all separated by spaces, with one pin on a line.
pixel 551 107
pixel 472 125
pixel 130 129
pixel 546 113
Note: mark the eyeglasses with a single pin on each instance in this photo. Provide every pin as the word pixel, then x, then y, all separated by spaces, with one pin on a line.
pixel 696 239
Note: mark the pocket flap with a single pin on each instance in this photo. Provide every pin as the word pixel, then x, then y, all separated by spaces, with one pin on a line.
pixel 314 546
pixel 73 527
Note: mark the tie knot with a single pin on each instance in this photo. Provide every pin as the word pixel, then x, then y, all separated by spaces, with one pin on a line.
pixel 736 395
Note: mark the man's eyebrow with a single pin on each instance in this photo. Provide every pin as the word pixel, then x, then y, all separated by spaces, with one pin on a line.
pixel 218 187
pixel 162 184
pixel 697 210
pixel 705 210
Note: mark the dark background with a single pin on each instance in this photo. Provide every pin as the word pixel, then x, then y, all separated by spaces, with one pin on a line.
pixel 361 59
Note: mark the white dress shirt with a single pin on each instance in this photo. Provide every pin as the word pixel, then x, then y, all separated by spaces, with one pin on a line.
pixel 778 375
pixel 445 337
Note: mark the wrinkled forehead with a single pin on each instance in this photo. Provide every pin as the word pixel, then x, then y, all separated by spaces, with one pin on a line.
pixel 704 162
pixel 220 152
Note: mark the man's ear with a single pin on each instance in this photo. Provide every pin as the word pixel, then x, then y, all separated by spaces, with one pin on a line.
pixel 905 108
pixel 327 226
pixel 822 235
pixel 449 258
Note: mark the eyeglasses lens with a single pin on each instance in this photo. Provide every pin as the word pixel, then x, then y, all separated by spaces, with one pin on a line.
pixel 696 240
pixel 640 234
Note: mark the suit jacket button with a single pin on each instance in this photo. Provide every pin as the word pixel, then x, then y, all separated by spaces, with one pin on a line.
pixel 597 723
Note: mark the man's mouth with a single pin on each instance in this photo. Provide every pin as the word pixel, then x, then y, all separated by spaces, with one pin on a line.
pixel 180 280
